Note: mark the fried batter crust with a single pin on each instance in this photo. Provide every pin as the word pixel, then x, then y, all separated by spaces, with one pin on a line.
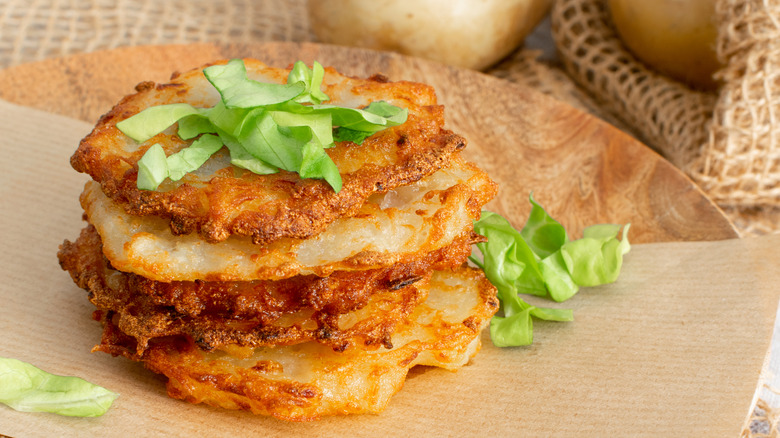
pixel 342 310
pixel 268 207
pixel 307 381
pixel 401 225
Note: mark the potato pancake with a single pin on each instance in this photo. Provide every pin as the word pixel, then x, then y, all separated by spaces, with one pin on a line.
pixel 220 200
pixel 402 224
pixel 342 310
pixel 272 293
pixel 307 381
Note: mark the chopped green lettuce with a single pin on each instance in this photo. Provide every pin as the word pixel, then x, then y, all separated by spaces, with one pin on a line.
pixel 316 162
pixel 191 158
pixel 312 80
pixel 263 139
pixel 152 168
pixel 540 260
pixel 265 127
pixel 195 125
pixel 357 125
pixel 240 157
pixel 154 120
pixel 238 91
pixel 27 388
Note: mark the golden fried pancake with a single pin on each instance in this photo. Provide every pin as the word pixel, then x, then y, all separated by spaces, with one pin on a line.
pixel 306 381
pixel 344 309
pixel 221 200
pixel 400 225
pixel 276 294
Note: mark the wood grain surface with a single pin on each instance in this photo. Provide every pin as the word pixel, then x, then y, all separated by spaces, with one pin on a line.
pixel 581 169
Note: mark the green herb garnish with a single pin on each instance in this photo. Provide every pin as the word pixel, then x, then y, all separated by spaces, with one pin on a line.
pixel 29 389
pixel 357 125
pixel 265 127
pixel 540 260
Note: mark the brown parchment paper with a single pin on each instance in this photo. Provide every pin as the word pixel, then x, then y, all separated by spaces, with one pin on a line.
pixel 674 348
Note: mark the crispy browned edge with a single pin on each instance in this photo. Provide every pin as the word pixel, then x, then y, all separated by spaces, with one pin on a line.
pixel 244 313
pixel 191 377
pixel 308 205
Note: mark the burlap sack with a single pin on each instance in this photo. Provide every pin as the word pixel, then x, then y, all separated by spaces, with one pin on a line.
pixel 525 68
pixel 729 141
pixel 36 30
pixel 739 165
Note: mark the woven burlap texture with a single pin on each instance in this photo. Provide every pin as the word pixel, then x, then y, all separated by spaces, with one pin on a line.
pixel 740 164
pixel 729 141
pixel 665 113
pixel 32 30
pixel 527 68
pixel 763 423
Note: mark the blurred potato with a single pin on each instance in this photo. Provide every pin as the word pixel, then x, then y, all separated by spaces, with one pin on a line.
pixel 674 37
pixel 463 33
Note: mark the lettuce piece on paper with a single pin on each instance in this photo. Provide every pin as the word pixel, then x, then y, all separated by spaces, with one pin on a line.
pixel 540 260
pixel 27 388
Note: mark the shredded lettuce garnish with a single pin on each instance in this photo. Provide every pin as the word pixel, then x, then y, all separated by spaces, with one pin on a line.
pixel 265 127
pixel 540 260
pixel 27 388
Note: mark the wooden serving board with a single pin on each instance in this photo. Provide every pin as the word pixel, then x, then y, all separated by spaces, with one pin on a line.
pixel 581 169
pixel 674 348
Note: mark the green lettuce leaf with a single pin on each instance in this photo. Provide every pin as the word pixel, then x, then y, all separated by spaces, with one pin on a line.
pixel 229 120
pixel 357 137
pixel 240 157
pixel 238 91
pixel 260 135
pixel 154 120
pixel 193 125
pixel 517 329
pixel 321 124
pixel 316 163
pixel 543 234
pixel 358 124
pixel 152 168
pixel 192 157
pixel 265 127
pixel 598 257
pixel 540 260
pixel 312 80
pixel 27 388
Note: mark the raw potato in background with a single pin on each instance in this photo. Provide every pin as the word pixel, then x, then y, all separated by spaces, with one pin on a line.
pixel 726 140
pixel 675 37
pixel 461 33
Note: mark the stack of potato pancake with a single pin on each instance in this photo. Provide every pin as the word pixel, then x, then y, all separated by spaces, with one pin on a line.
pixel 276 293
